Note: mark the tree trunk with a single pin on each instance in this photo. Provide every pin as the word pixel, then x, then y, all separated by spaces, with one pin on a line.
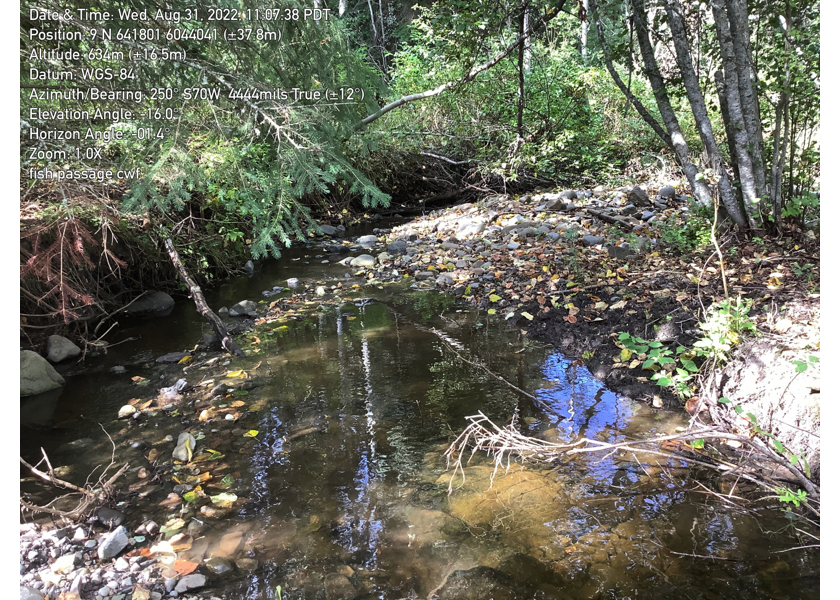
pixel 675 135
pixel 640 108
pixel 526 59
pixel 727 120
pixel 520 97
pixel 740 31
pixel 201 304
pixel 584 32
pixel 342 7
pixel 701 116
pixel 736 126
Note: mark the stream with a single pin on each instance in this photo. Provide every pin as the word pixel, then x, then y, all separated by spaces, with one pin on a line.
pixel 343 482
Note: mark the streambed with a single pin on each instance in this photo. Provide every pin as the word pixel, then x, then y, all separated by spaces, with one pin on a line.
pixel 342 490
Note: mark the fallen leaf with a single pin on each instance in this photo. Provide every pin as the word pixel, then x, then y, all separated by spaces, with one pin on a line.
pixel 186 360
pixel 239 373
pixel 250 434
pixel 184 567
pixel 528 316
pixel 619 304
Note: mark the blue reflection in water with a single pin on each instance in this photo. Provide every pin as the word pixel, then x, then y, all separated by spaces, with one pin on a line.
pixel 589 408
pixel 366 528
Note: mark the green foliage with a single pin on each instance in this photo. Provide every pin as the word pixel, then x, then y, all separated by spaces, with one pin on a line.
pixel 686 234
pixel 662 360
pixel 678 368
pixel 796 498
pixel 802 206
pixel 724 324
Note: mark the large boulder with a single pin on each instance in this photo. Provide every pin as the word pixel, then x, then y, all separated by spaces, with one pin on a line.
pixel 154 303
pixel 60 348
pixel 36 374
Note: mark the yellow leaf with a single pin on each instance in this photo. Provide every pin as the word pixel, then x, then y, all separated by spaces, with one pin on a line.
pixel 186 360
pixel 626 355
pixel 601 305
pixel 239 373
pixel 251 433
pixel 619 304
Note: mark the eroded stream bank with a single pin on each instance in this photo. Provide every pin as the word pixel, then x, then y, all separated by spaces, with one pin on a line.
pixel 330 437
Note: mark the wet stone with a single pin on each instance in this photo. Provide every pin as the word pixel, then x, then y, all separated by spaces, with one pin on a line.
pixel 218 566
pixel 195 580
pixel 338 587
pixel 592 240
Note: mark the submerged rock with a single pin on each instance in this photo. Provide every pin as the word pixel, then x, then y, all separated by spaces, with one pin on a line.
pixel 37 375
pixel 154 303
pixel 338 587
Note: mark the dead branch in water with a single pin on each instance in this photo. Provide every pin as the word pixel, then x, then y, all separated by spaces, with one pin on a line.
pixel 503 442
pixel 92 496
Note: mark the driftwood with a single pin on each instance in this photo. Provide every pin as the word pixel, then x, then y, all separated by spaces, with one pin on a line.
pixel 91 497
pixel 201 304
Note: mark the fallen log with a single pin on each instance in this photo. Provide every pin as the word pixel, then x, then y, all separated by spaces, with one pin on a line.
pixel 201 304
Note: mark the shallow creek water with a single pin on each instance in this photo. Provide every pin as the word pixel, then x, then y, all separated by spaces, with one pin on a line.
pixel 345 482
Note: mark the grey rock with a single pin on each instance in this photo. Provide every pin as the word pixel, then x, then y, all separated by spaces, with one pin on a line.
pixel 363 260
pixel 592 240
pixel 382 257
pixel 444 279
pixel 60 348
pixel 329 230
pixel 569 194
pixel 113 543
pixel 367 240
pixel 397 247
pixel 340 230
pixel 621 252
pixel 424 275
pixel 223 311
pixel 338 587
pixel 450 246
pixel 249 268
pixel 190 582
pixel 512 246
pixel 185 440
pixel 553 235
pixel 218 566
pixel 171 358
pixel 28 593
pixel 668 192
pixel 628 210
pixel 153 303
pixel 37 375
pixel 337 249
pixel 648 215
pixel 240 309
pixel 638 197
pixel 461 264
pixel 552 204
